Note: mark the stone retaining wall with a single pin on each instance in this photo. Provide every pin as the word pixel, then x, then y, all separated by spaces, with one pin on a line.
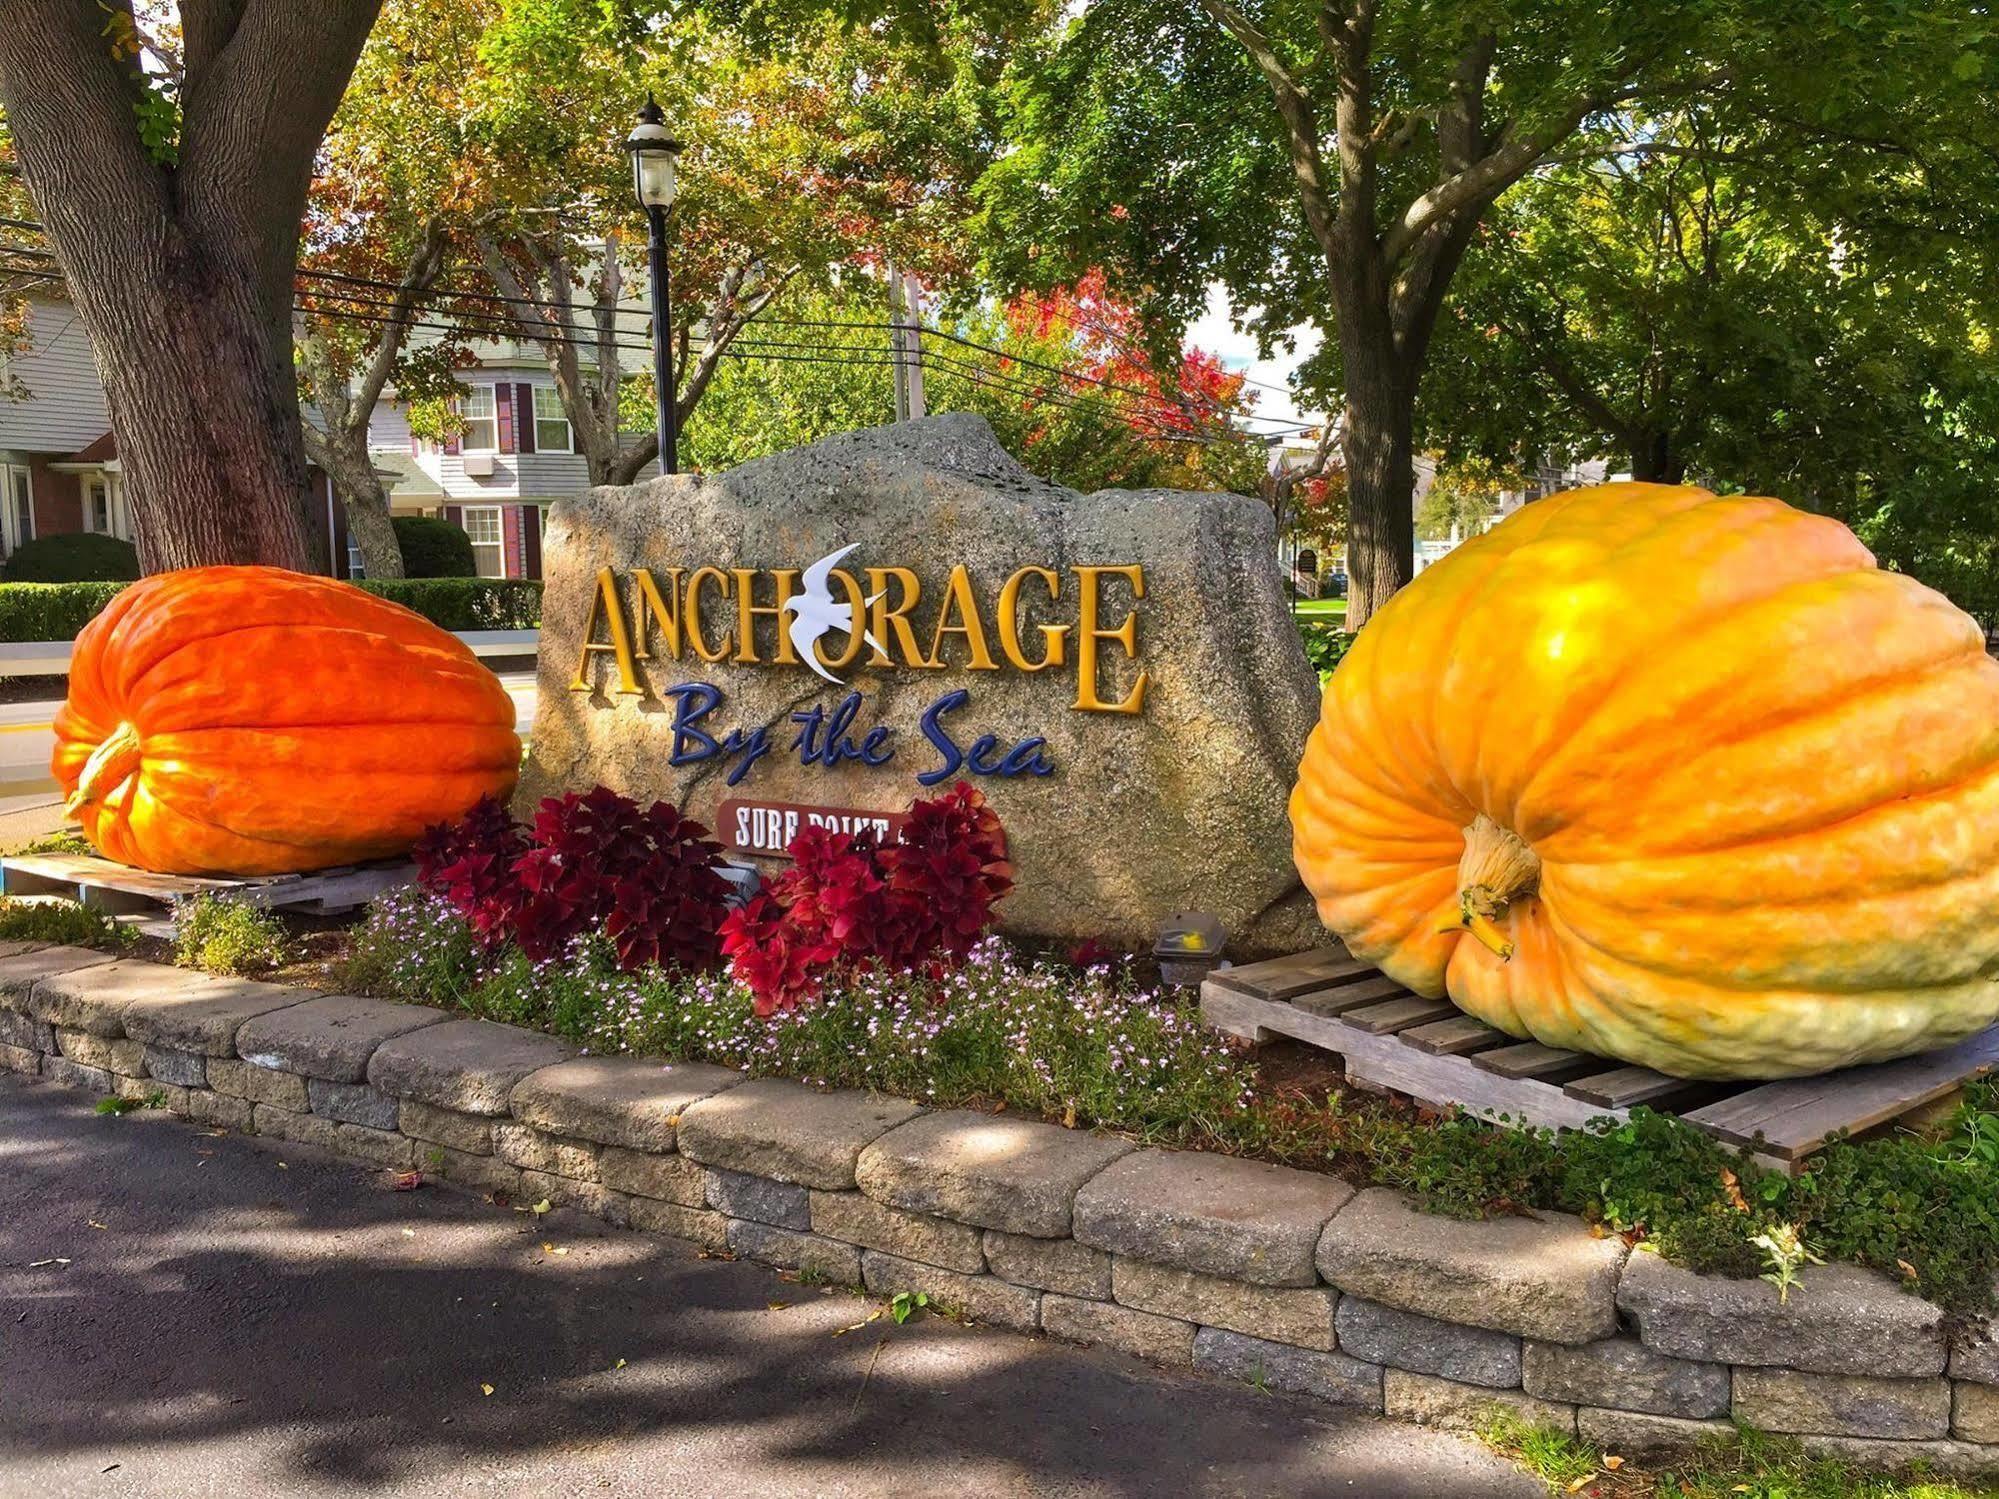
pixel 1288 1279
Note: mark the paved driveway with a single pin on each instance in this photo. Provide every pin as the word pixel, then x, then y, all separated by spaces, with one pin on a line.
pixel 186 1314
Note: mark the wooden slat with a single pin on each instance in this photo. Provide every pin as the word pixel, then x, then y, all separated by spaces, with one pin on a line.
pixel 1530 1059
pixel 1454 1037
pixel 1282 978
pixel 1621 1087
pixel 1794 1117
pixel 1398 1015
pixel 1349 996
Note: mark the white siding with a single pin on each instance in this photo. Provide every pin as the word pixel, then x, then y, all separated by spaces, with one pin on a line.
pixel 65 409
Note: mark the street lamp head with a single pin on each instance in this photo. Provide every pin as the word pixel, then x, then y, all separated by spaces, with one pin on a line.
pixel 654 154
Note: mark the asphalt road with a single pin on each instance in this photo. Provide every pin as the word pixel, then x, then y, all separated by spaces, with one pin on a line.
pixel 29 806
pixel 184 1313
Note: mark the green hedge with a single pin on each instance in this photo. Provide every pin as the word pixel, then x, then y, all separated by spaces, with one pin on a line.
pixel 466 603
pixel 434 548
pixel 56 611
pixel 75 557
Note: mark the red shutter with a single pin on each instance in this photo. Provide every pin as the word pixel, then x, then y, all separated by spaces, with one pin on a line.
pixel 510 541
pixel 531 559
pixel 524 398
pixel 456 515
pixel 503 406
pixel 416 446
pixel 451 443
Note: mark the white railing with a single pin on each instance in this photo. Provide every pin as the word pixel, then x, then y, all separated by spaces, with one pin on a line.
pixel 50 658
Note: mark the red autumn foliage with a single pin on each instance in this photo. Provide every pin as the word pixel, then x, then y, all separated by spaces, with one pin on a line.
pixel 645 876
pixel 850 903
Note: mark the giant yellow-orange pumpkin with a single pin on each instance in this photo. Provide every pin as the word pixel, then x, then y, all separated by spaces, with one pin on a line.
pixel 248 720
pixel 1683 780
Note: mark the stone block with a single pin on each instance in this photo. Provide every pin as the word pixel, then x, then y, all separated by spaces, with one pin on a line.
pixel 759 1199
pixel 1431 1401
pixel 469 1134
pixel 221 1110
pixel 567 1192
pixel 982 1298
pixel 1969 1460
pixel 76 1075
pixel 1976 1356
pixel 23 1030
pixel 20 972
pixel 378 1147
pixel 276 1123
pixel 352 1103
pixel 1646 1435
pixel 856 1218
pixel 1049 1264
pixel 1409 1340
pixel 171 1006
pixel 108 1052
pixel 1335 1377
pixel 478 1170
pixel 617 1101
pixel 184 1069
pixel 1974 1412
pixel 664 1178
pixel 992 1170
pixel 22 1059
pixel 699 1226
pixel 471 1066
pixel 789 1132
pixel 1241 1219
pixel 1624 1373
pixel 240 1079
pixel 1842 1405
pixel 822 1258
pixel 330 1036
pixel 151 1092
pixel 1161 1340
pixel 1540 1276
pixel 531 1149
pixel 1839 1320
pixel 1301 1316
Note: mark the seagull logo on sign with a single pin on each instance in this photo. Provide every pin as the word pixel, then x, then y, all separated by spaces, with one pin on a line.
pixel 814 611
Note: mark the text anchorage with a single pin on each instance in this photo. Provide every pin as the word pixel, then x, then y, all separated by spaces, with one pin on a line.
pixel 829 739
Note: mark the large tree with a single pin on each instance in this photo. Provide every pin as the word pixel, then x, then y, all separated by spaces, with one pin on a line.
pixel 171 174
pixel 1331 162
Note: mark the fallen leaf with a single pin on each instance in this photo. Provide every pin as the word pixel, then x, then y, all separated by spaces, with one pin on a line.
pixel 485 1389
pixel 94 1223
pixel 1613 1462
pixel 1581 1483
pixel 552 1249
pixel 1733 1188
pixel 37 1264
pixel 541 1207
pixel 409 1233
pixel 1069 1117
pixel 777 1306
pixel 283 1167
pixel 1908 1270
pixel 408 1181
pixel 619 1364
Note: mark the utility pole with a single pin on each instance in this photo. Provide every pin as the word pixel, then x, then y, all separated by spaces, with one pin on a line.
pixel 905 321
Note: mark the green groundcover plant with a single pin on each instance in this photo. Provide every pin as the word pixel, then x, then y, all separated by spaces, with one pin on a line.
pixel 1092 1046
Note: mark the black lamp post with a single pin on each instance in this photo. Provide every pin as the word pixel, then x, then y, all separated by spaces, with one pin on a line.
pixel 654 154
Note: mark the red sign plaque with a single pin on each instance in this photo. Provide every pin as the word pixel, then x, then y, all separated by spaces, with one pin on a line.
pixel 765 829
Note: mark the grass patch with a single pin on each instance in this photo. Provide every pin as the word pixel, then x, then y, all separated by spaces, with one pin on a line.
pixel 64 922
pixel 1749 1465
pixel 68 841
pixel 1319 608
pixel 227 936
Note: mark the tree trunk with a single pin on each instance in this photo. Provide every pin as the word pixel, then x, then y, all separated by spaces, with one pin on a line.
pixel 1381 490
pixel 207 432
pixel 345 458
pixel 1654 461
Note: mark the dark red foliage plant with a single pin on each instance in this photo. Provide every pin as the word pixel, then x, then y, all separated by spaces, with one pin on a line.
pixel 646 877
pixel 920 902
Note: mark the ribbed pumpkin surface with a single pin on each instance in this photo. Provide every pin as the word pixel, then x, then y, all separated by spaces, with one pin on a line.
pixel 1728 791
pixel 248 720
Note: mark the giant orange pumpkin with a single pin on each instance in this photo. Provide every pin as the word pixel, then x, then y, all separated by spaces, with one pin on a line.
pixel 1678 779
pixel 248 720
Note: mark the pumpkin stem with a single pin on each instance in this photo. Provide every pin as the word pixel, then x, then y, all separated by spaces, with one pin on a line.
pixel 106 769
pixel 1497 868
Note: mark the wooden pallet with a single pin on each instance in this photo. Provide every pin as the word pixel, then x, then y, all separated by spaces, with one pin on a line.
pixel 123 891
pixel 1396 1041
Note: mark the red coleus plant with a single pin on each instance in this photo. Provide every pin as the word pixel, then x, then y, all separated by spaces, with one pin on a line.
pixel 647 877
pixel 851 902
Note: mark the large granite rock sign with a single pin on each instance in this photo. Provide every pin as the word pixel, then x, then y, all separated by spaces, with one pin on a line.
pixel 1116 671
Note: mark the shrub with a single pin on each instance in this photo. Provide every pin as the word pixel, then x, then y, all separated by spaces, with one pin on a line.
pixel 1326 644
pixel 63 922
pixel 434 548
pixel 596 862
pixel 51 611
pixel 227 936
pixel 921 901
pixel 465 603
pixel 77 557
